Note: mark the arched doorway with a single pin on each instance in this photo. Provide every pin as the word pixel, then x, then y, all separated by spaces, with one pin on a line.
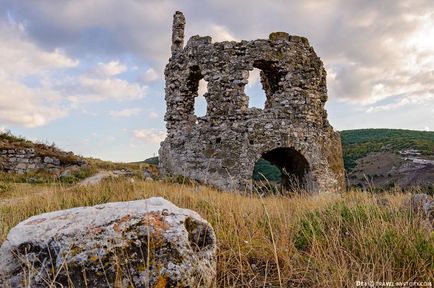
pixel 283 170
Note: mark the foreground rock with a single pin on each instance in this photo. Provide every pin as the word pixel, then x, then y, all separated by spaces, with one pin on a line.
pixel 145 243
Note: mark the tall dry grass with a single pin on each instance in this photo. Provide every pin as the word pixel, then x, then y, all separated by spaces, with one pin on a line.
pixel 328 240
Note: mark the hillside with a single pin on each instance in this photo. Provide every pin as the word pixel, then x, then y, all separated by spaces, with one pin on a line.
pixel 12 142
pixel 382 158
pixel 359 143
pixel 22 160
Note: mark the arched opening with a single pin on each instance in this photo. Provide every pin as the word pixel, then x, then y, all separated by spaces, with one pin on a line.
pixel 195 94
pixel 255 90
pixel 200 104
pixel 281 170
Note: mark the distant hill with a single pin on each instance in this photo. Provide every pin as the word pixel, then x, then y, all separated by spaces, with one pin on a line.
pixel 382 158
pixel 359 143
pixel 152 160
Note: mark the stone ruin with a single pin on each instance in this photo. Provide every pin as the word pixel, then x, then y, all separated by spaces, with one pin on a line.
pixel 221 148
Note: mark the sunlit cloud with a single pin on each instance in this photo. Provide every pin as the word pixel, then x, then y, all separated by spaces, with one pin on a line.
pixel 125 113
pixel 149 135
pixel 150 75
pixel 109 69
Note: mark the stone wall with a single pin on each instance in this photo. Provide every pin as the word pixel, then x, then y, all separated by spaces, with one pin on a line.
pixel 26 160
pixel 222 147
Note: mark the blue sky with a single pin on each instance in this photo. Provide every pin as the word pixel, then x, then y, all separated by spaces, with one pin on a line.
pixel 88 74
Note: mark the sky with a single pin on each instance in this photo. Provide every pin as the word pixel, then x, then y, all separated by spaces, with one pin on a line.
pixel 88 75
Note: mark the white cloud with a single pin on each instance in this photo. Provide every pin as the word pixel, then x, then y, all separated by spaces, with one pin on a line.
pixel 150 75
pixel 109 69
pixel 388 107
pixel 19 56
pixel 49 93
pixel 149 135
pixel 28 107
pixel 221 33
pixel 375 52
pixel 21 104
pixel 153 115
pixel 383 62
pixel 203 87
pixel 254 77
pixel 91 90
pixel 125 113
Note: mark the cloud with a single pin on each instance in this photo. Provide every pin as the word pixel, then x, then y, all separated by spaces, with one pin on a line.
pixel 388 107
pixel 153 115
pixel 221 33
pixel 254 77
pixel 363 44
pixel 149 135
pixel 150 75
pixel 27 107
pixel 20 56
pixel 36 89
pixel 24 104
pixel 203 87
pixel 109 69
pixel 375 52
pixel 110 88
pixel 102 29
pixel 125 113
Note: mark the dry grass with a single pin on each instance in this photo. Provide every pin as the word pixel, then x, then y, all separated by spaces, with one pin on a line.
pixel 327 240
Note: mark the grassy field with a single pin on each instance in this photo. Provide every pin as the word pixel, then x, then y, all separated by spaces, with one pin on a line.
pixel 328 240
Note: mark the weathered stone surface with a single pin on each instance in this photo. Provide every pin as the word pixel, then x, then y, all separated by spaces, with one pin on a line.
pixel 145 243
pixel 222 147
pixel 178 31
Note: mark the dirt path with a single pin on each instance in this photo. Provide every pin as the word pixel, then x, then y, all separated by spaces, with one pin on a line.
pixel 98 177
pixel 95 179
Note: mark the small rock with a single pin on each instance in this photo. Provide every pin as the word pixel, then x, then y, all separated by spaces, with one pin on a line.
pixel 423 204
pixel 48 160
pixel 147 173
pixel 66 173
pixel 417 202
pixel 145 243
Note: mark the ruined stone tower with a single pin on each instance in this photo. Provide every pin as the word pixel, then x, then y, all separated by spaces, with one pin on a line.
pixel 221 148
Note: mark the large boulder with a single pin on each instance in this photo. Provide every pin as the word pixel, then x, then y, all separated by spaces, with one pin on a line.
pixel 144 243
